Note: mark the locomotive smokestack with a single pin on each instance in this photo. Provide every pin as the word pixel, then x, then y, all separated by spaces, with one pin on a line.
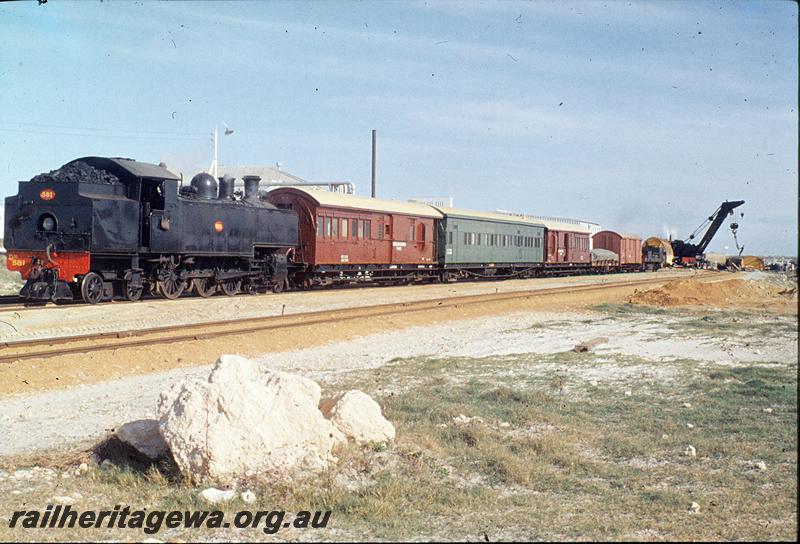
pixel 226 187
pixel 251 187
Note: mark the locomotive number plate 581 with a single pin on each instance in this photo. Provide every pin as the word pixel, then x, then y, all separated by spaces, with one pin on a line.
pixel 47 194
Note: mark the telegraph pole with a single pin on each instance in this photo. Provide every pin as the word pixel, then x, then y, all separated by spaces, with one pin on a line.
pixel 373 163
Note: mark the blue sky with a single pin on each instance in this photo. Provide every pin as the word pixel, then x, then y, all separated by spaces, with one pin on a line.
pixel 640 116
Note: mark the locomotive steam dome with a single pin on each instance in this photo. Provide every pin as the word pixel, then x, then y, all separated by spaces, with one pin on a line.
pixel 204 185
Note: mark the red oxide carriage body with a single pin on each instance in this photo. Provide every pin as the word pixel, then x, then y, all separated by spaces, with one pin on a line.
pixel 627 246
pixel 567 244
pixel 345 235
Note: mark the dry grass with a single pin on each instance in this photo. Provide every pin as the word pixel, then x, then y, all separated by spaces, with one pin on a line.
pixel 556 454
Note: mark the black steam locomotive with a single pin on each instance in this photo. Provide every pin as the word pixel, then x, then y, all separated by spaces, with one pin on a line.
pixel 101 227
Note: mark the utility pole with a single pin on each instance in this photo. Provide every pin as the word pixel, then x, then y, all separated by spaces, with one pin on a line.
pixel 216 135
pixel 228 130
pixel 373 163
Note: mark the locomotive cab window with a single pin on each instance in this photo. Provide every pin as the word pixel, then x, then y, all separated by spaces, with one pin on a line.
pixel 153 193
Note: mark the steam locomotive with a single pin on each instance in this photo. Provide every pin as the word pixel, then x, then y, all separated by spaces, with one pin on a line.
pixel 99 228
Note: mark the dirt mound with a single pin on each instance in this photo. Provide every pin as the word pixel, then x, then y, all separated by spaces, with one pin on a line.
pixel 730 293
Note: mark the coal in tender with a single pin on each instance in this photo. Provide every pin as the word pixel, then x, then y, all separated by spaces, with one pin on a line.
pixel 77 171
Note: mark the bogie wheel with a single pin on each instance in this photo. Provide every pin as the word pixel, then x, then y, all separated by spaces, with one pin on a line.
pixel 204 287
pixel 133 292
pixel 231 287
pixel 172 287
pixel 92 288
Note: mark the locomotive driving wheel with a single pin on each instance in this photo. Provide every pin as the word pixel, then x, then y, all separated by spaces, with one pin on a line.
pixel 92 288
pixel 231 287
pixel 204 287
pixel 171 285
pixel 133 292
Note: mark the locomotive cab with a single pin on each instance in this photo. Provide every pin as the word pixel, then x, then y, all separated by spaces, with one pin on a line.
pixel 75 222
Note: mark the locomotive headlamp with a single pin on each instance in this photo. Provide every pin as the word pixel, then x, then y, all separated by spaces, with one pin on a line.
pixel 47 223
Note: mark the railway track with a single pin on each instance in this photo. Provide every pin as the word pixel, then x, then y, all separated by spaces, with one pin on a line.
pixel 15 303
pixel 53 347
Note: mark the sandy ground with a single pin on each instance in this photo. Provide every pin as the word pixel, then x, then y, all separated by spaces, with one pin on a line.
pixel 75 400
pixel 84 414
pixel 52 322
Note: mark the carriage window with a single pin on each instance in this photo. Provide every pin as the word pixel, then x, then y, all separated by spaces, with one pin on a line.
pixel 319 227
pixel 327 227
pixel 361 229
pixel 353 228
pixel 344 228
pixel 450 238
pixel 367 229
pixel 478 238
pixel 411 232
pixel 466 238
pixel 380 231
pixel 335 227
pixel 422 232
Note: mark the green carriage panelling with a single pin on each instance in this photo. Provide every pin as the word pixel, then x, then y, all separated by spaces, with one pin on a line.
pixel 465 238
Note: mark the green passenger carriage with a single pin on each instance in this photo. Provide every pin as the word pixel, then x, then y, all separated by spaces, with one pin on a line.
pixel 480 243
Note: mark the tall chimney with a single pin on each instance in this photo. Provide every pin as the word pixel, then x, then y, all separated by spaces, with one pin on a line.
pixel 251 187
pixel 373 163
pixel 226 187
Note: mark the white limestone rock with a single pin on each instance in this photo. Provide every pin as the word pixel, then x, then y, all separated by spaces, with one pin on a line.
pixel 216 496
pixel 246 420
pixel 145 436
pixel 358 417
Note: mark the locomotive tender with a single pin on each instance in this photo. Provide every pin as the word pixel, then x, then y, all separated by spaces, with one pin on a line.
pixel 100 228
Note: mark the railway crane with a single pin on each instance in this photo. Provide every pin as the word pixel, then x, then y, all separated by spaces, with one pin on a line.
pixel 688 253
